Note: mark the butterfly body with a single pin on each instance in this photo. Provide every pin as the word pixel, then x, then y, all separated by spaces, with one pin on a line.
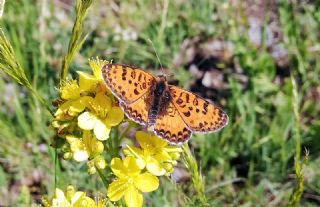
pixel 172 113
pixel 160 98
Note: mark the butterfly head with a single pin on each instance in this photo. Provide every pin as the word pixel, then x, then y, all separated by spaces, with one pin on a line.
pixel 164 76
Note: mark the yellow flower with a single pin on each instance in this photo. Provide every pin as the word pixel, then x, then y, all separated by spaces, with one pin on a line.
pixel 101 117
pixel 77 95
pixel 93 83
pixel 155 154
pixel 87 82
pixel 73 103
pixel 71 108
pixel 97 163
pixel 130 182
pixel 70 198
pixel 70 90
pixel 84 148
pixel 96 65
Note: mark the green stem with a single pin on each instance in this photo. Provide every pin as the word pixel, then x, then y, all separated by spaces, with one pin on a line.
pixel 77 38
pixel 42 101
pixel 298 188
pixel 131 124
pixel 55 167
pixel 103 178
pixel 197 179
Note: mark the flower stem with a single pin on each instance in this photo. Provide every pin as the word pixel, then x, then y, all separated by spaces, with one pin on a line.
pixel 130 125
pixel 196 177
pixel 77 38
pixel 103 178
pixel 298 188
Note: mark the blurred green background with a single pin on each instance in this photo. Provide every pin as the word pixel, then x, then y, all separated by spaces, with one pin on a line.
pixel 243 55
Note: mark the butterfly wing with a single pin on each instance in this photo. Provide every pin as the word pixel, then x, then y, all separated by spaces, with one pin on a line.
pixel 137 111
pixel 198 114
pixel 170 126
pixel 128 84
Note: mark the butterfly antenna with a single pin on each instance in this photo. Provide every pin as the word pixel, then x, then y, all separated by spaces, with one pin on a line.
pixel 157 56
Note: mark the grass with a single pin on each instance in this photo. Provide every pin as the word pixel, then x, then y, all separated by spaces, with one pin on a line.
pixel 251 162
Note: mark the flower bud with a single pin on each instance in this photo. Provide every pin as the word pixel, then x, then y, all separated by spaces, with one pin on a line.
pixel 175 155
pixel 70 191
pixel 167 166
pixel 100 162
pixel 92 170
pixel 98 147
pixel 65 147
pixel 67 155
pixel 90 163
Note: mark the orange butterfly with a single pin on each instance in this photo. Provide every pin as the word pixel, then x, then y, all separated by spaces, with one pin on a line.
pixel 171 112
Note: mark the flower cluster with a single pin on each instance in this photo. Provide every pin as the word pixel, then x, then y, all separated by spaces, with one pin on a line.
pixel 71 198
pixel 86 113
pixel 154 154
pixel 137 172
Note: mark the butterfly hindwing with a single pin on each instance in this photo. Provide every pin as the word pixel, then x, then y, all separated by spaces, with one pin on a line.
pixel 137 111
pixel 198 114
pixel 170 126
pixel 127 83
pixel 176 115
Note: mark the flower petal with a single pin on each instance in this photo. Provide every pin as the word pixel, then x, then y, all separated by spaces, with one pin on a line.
pixel 59 194
pixel 86 101
pixel 133 198
pixel 96 65
pixel 146 182
pixel 70 90
pixel 143 139
pixel 157 142
pixel 86 81
pixel 77 106
pixel 101 130
pixel 60 199
pixel 64 112
pixel 79 195
pixel 154 167
pixel 87 120
pixel 162 156
pixel 118 168
pixel 117 189
pixel 132 166
pixel 137 153
pixel 102 104
pixel 115 116
pixel 85 202
pixel 80 155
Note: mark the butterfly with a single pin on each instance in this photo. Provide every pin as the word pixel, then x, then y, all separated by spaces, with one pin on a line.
pixel 171 112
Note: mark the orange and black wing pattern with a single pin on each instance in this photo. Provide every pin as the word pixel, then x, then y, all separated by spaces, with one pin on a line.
pixel 127 83
pixel 198 114
pixel 137 111
pixel 170 126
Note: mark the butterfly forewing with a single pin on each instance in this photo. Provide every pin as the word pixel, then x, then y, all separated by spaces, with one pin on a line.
pixel 127 83
pixel 177 115
pixel 170 126
pixel 198 114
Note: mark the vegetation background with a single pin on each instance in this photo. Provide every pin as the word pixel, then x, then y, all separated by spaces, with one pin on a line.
pixel 259 60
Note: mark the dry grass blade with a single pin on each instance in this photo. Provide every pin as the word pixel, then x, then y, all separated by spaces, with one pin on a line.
pixel 8 63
